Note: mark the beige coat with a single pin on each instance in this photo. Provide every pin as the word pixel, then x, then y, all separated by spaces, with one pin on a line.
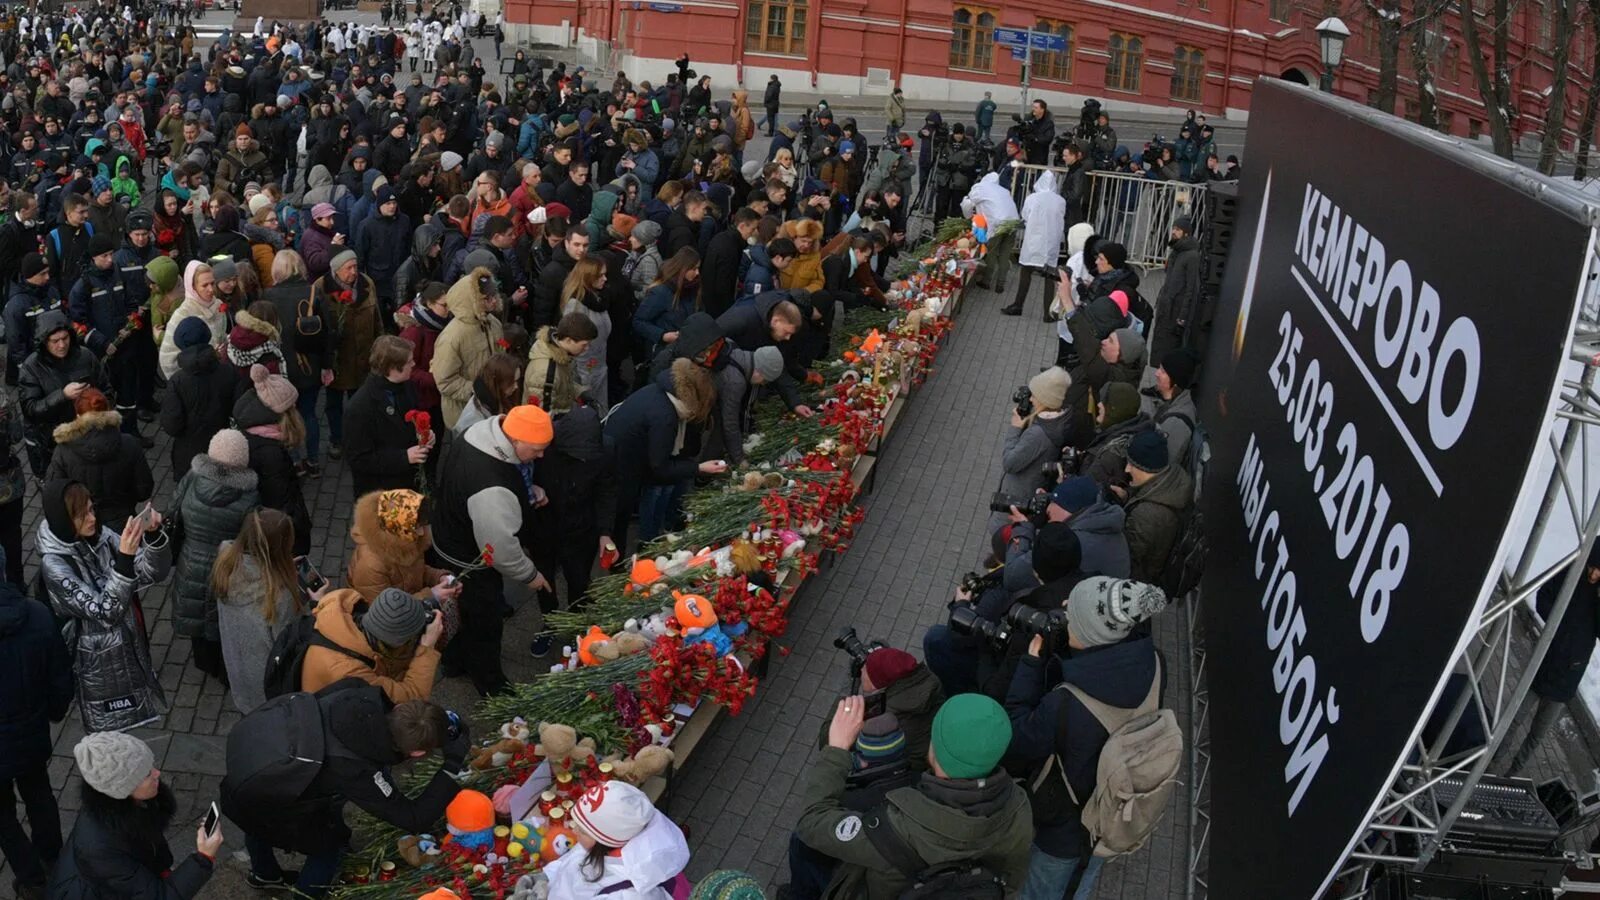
pixel 464 345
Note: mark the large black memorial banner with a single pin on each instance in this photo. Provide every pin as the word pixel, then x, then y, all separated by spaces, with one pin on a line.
pixel 1384 360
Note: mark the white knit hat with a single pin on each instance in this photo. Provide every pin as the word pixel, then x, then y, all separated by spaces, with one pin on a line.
pixel 113 763
pixel 613 812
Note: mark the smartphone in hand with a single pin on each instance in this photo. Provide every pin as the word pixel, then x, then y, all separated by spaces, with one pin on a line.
pixel 213 818
pixel 310 578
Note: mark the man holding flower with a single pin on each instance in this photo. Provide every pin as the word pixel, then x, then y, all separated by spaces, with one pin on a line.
pixel 387 451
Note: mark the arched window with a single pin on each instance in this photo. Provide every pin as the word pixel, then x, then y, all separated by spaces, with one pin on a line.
pixel 776 26
pixel 1188 73
pixel 1051 65
pixel 972 38
pixel 1126 62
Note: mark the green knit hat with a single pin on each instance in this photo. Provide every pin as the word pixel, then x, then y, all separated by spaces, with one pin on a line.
pixel 727 884
pixel 970 734
pixel 162 272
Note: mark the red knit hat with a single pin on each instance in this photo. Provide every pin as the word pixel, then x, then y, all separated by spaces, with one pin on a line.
pixel 886 665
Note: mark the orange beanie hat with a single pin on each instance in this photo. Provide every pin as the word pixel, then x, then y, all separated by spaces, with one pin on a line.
pixel 529 424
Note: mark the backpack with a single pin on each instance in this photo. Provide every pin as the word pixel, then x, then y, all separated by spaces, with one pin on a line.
pixel 274 754
pixel 288 657
pixel 962 879
pixel 1137 773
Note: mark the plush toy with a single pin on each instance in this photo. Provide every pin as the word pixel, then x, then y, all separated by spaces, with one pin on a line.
pixel 652 628
pixel 560 745
pixel 698 621
pixel 532 886
pixel 675 564
pixel 495 755
pixel 502 799
pixel 587 644
pixel 554 841
pixel 623 643
pixel 470 819
pixel 645 577
pixel 751 482
pixel 516 729
pixel 411 850
pixel 649 761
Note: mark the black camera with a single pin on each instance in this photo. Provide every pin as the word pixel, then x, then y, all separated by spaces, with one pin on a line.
pixel 964 620
pixel 1031 506
pixel 850 643
pixel 1019 619
pixel 975 583
pixel 1023 398
pixel 432 606
pixel 1063 468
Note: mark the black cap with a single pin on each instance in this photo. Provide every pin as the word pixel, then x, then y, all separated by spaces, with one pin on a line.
pixel 101 243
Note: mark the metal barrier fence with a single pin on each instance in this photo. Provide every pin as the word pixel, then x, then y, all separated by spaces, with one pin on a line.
pixel 1132 210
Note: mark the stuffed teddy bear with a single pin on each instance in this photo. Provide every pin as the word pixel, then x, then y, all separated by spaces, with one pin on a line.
pixel 649 761
pixel 516 729
pixel 651 628
pixel 560 745
pixel 623 643
pixel 495 755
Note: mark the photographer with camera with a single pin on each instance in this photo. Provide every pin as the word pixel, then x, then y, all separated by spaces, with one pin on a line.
pixel 988 624
pixel 894 683
pixel 1157 495
pixel 1037 132
pixel 966 809
pixel 1103 144
pixel 284 801
pixel 1108 662
pixel 389 643
pixel 1040 427
pixel 1098 523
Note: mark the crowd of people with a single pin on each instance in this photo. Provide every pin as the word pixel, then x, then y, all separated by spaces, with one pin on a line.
pixel 529 316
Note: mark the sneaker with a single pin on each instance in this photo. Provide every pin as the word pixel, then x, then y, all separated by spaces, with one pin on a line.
pixel 542 645
pixel 284 879
pixel 335 451
pixel 313 470
pixel 1011 310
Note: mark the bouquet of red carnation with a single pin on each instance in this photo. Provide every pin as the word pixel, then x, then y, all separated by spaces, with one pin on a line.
pixel 134 322
pixel 485 560
pixel 423 423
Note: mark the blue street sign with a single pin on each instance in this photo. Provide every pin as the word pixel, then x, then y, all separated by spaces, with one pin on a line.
pixel 1043 40
pixel 666 7
pixel 1011 37
pixel 1019 54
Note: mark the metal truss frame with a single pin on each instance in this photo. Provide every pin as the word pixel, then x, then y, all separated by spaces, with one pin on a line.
pixel 1411 822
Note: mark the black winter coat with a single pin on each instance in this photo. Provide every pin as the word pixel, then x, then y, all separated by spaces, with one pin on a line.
pixel 209 504
pixel 305 355
pixel 681 232
pixel 198 403
pixel 36 669
pixel 100 302
pixel 42 379
pixel 719 273
pixel 231 244
pixel 382 244
pixel 578 474
pixel 93 450
pixel 377 436
pixel 118 848
pixel 276 478
pixel 647 425
pixel 545 308
pixel 1564 663
pixel 749 326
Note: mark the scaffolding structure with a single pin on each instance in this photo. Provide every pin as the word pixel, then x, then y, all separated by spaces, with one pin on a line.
pixel 1413 819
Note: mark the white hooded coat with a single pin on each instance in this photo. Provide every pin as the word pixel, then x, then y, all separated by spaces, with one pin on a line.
pixel 654 856
pixel 1044 216
pixel 989 198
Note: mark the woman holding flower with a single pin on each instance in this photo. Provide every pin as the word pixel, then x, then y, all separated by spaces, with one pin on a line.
pixel 387 448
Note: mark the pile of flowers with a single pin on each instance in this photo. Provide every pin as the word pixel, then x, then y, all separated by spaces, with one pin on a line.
pixel 697 610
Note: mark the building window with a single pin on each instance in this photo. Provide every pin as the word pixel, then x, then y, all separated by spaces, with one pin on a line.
pixel 1125 64
pixel 972 38
pixel 1542 15
pixel 1053 66
pixel 1278 10
pixel 1474 129
pixel 1447 121
pixel 777 26
pixel 1413 110
pixel 1452 62
pixel 1188 73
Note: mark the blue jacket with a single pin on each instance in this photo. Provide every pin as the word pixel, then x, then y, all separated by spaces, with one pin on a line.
pixel 659 314
pixel 130 263
pixel 382 245
pixel 24 306
pixel 99 300
pixel 1118 675
pixel 37 672
pixel 756 272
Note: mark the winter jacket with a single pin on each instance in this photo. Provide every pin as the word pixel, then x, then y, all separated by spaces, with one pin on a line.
pixel 804 273
pixel 647 424
pixel 118 849
pixel 464 345
pixel 306 346
pixel 422 328
pixel 382 559
pixel 483 499
pixel 759 273
pixel 639 871
pixel 680 232
pixel 589 367
pixel 735 407
pixel 210 313
pixel 25 304
pixel 550 381
pixel 749 325
pixel 99 302
pixel 37 673
pixel 381 245
pixel 232 244
pixel 1179 293
pixel 209 504
pixel 1176 419
pixel 93 585
pixel 317 248
pixel 198 403
pixel 377 435
pixel 1099 529
pixel 914 699
pixel 578 474
pixel 337 620
pixel 420 266
pixel 942 820
pixel 719 272
pixel 1155 513
pixel 642 267
pixel 276 478
pixel 661 312
pixel 245 633
pixel 1043 217
pixel 1119 675
pixel 356 320
pixel 992 200
pixel 92 449
pixel 1026 452
pixel 41 384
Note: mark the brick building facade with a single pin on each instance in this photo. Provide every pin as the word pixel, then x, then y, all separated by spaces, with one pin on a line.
pixel 1159 57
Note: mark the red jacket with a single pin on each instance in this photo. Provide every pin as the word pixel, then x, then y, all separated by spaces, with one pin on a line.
pixel 422 336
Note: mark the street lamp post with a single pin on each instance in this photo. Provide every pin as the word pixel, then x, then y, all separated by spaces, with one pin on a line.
pixel 1332 33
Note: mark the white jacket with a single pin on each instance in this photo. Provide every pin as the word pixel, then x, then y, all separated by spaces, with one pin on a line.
pixel 654 856
pixel 989 198
pixel 1044 217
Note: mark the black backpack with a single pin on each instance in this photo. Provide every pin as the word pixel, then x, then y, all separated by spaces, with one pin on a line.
pixel 288 656
pixel 962 879
pixel 274 754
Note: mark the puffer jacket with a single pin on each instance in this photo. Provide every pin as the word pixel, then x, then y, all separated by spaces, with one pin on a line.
pixel 198 403
pixel 42 380
pixel 93 450
pixel 464 345
pixel 90 586
pixel 422 265
pixel 276 478
pixel 1154 516
pixel 337 621
pixel 117 849
pixel 210 504
pixel 550 381
pixel 421 327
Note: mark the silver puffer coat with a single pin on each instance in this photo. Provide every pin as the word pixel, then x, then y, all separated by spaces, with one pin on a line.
pixel 117 685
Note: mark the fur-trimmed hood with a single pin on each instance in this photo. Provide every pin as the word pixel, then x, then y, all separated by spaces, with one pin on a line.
pixel 365 529
pixel 465 299
pixel 243 319
pixel 68 432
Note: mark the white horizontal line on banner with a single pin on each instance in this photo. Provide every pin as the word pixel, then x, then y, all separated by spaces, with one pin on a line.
pixel 1383 398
